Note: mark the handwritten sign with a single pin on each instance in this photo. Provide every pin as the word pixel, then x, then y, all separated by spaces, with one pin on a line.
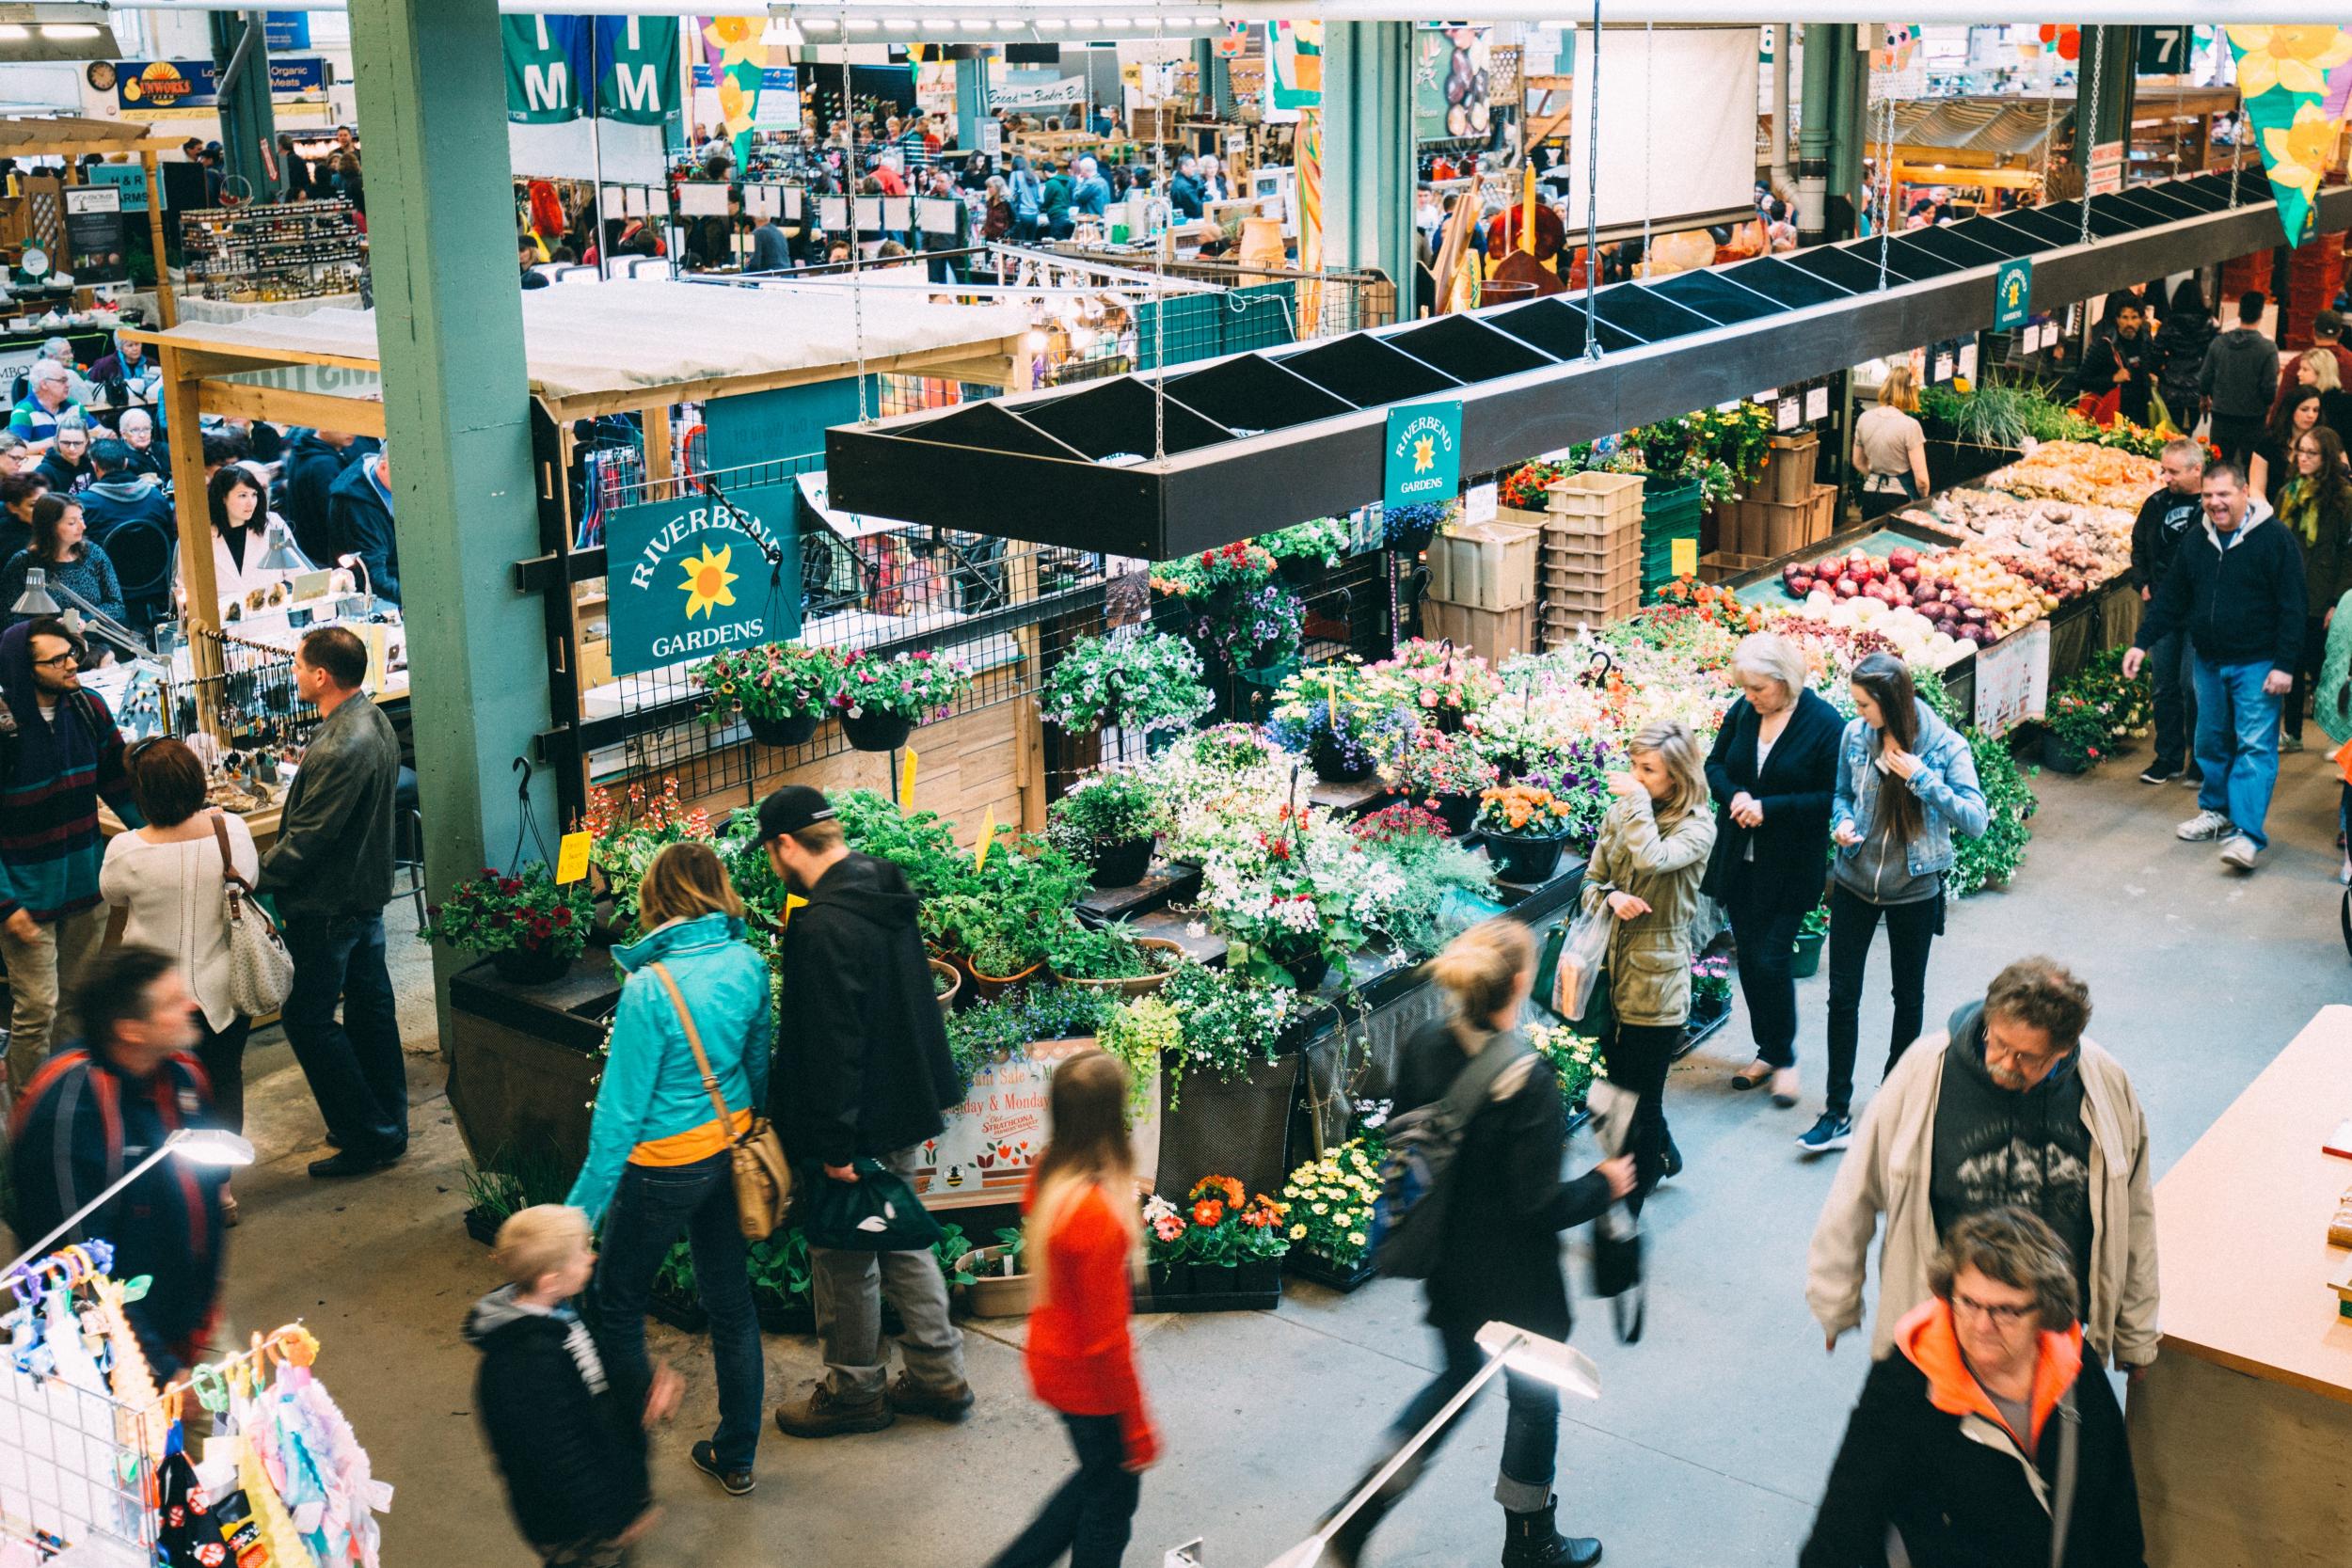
pixel 2014 680
pixel 571 858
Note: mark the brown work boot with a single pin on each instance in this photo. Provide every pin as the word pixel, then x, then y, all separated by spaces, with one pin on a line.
pixel 910 1398
pixel 823 1412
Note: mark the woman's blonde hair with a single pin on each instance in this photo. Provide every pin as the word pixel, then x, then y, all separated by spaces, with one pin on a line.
pixel 1898 390
pixel 684 881
pixel 1089 1147
pixel 1673 745
pixel 1480 968
pixel 1769 656
pixel 2326 376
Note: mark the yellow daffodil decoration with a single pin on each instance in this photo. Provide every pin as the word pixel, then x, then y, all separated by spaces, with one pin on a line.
pixel 2283 76
pixel 2296 58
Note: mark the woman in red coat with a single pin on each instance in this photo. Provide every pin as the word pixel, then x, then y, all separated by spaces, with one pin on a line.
pixel 1083 1228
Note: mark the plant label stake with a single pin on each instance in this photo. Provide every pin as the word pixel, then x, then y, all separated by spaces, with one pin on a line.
pixel 905 780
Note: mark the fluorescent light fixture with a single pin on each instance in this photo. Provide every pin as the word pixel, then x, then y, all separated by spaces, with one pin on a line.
pixel 977 25
pixel 1560 1365
pixel 34 600
pixel 68 30
pixel 863 24
pixel 14 31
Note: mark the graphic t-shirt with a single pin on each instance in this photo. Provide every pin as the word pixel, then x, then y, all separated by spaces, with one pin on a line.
pixel 2030 1149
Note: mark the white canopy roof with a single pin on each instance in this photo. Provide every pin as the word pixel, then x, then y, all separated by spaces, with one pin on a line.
pixel 594 339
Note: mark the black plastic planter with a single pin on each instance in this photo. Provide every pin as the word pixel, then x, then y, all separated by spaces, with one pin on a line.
pixel 795 730
pixel 877 732
pixel 1120 864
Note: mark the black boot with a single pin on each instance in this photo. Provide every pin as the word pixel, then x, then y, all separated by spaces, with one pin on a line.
pixel 1529 1541
pixel 1670 1165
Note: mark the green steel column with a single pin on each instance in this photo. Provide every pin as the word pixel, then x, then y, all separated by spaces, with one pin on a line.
pixel 1850 101
pixel 971 102
pixel 432 94
pixel 1816 119
pixel 247 118
pixel 1368 149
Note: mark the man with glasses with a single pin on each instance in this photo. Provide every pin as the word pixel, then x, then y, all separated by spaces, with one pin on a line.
pixel 59 752
pixel 66 469
pixel 2011 1106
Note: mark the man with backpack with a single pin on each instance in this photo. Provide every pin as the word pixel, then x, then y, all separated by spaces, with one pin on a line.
pixel 1478 1116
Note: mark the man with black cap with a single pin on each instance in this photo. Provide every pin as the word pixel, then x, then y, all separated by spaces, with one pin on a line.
pixel 861 1071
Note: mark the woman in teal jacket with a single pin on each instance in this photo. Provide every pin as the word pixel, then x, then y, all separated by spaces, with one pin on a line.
pixel 2332 706
pixel 657 1161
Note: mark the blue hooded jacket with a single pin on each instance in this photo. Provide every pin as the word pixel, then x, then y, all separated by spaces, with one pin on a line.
pixel 651 1089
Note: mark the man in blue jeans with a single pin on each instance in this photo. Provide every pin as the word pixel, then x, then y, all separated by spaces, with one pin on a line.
pixel 2237 586
pixel 331 873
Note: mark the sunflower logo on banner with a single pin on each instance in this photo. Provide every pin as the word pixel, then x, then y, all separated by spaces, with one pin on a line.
pixel 2283 79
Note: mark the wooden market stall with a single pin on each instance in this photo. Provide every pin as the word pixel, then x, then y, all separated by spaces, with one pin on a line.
pixel 40 210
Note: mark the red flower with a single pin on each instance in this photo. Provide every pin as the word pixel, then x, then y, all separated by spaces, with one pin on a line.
pixel 562 917
pixel 1208 1214
pixel 510 886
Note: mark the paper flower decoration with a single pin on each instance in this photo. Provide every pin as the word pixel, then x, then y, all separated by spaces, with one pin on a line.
pixel 2297 151
pixel 2296 58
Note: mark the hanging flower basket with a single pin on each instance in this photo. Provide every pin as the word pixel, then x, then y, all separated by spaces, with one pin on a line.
pixel 877 732
pixel 795 729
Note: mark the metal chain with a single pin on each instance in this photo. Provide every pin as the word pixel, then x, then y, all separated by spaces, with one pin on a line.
pixel 1886 166
pixel 1649 104
pixel 857 246
pixel 2089 133
pixel 1592 193
pixel 2237 153
pixel 1163 239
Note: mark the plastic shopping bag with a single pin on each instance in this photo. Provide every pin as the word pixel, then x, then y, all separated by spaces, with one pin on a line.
pixel 1582 958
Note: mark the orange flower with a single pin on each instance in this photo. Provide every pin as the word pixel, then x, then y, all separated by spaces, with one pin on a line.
pixel 1208 1214
pixel 1234 1195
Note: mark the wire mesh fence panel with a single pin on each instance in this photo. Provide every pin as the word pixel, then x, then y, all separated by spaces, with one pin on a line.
pixel 72 1477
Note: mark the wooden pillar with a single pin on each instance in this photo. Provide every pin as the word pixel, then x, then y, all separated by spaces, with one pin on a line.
pixel 167 306
pixel 658 457
pixel 192 511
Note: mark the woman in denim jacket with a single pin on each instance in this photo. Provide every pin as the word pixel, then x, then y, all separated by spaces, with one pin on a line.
pixel 658 1160
pixel 1906 783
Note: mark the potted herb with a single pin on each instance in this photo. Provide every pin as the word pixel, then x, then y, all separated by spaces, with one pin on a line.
pixel 881 700
pixel 1812 931
pixel 1304 552
pixel 1449 772
pixel 1109 820
pixel 1007 908
pixel 947 982
pixel 1112 958
pixel 780 689
pixel 1000 1288
pixel 1525 827
pixel 1151 682
pixel 1330 1202
pixel 528 927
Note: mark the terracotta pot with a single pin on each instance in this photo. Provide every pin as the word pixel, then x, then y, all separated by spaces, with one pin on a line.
pixel 1133 985
pixel 954 983
pixel 991 987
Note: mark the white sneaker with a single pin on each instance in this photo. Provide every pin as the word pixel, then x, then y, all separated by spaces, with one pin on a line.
pixel 2203 827
pixel 2240 852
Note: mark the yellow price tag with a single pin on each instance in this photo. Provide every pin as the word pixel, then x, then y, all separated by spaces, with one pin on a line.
pixel 905 780
pixel 1684 558
pixel 988 836
pixel 571 858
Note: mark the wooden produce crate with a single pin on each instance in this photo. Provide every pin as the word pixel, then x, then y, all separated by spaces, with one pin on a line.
pixel 1788 477
pixel 1484 565
pixel 1770 528
pixel 1493 635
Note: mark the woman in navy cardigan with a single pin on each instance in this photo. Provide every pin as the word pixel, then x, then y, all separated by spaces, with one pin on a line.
pixel 1773 770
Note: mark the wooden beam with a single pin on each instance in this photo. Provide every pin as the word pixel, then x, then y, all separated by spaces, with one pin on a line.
pixel 655 417
pixel 167 304
pixel 246 400
pixel 230 355
pixel 182 407
pixel 589 405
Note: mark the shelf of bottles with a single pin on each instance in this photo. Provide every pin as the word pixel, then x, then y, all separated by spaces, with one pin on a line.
pixel 270 253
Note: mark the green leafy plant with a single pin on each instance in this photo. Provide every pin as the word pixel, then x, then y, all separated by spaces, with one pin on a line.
pixel 625 835
pixel 1993 859
pixel 1323 539
pixel 2002 414
pixel 1110 807
pixel 2076 725
pixel 516 1178
pixel 953 1253
pixel 1023 1014
pixel 1816 922
pixel 1152 682
pixel 1078 951
pixel 781 1271
pixel 1230 1022
pixel 1136 1032
pixel 527 914
pixel 921 844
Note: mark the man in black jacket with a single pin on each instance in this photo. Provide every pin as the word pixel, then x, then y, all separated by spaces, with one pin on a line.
pixel 863 1071
pixel 316 462
pixel 2237 586
pixel 571 1446
pixel 2164 520
pixel 359 522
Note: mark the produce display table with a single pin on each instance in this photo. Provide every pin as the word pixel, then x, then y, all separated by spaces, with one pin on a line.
pixel 2239 1430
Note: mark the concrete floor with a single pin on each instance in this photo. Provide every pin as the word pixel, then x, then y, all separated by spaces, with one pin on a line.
pixel 1715 1434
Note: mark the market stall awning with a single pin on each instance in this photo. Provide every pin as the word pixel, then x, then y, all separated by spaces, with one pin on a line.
pixel 60 136
pixel 598 348
pixel 1259 447
pixel 1982 128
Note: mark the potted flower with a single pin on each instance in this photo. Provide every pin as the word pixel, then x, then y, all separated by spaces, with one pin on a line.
pixel 1112 959
pixel 1305 551
pixel 1221 1250
pixel 779 689
pixel 1525 827
pixel 1711 992
pixel 881 700
pixel 1575 1057
pixel 1227 602
pixel 1442 686
pixel 1330 1202
pixel 1410 529
pixel 1812 931
pixel 2074 733
pixel 1450 772
pixel 1337 718
pixel 1151 682
pixel 1109 820
pixel 1230 1023
pixel 530 929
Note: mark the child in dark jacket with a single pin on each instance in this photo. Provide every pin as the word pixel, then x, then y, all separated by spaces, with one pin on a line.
pixel 573 1458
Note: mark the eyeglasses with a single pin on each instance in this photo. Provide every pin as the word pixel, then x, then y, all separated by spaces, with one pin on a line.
pixel 2001 1313
pixel 67 658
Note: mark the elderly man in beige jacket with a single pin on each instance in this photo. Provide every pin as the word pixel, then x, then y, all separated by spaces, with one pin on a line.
pixel 2012 1105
